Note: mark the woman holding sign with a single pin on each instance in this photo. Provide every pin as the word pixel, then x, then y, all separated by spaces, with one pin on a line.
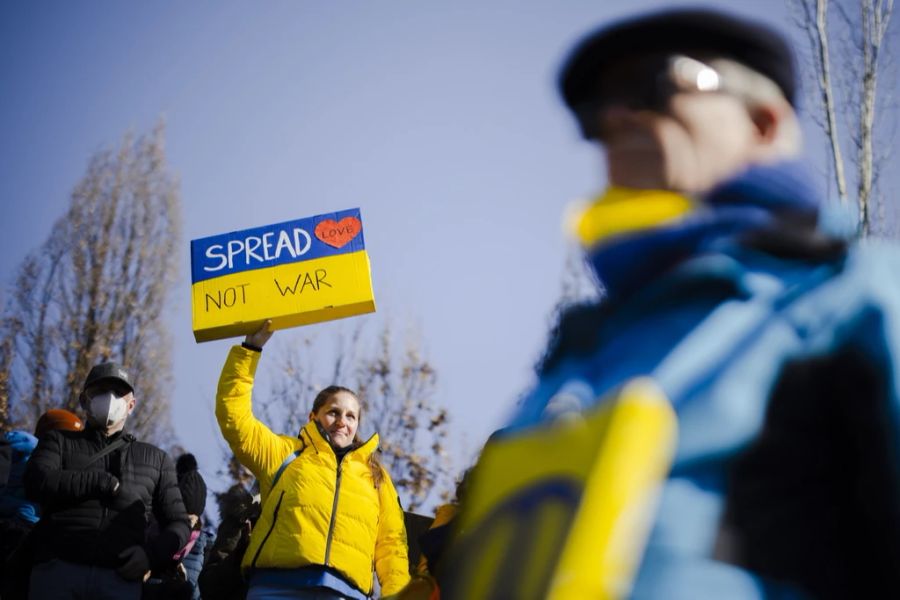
pixel 329 509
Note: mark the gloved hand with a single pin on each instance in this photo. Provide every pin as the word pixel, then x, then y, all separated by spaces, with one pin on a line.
pixel 135 564
pixel 21 442
pixel 109 486
pixel 126 499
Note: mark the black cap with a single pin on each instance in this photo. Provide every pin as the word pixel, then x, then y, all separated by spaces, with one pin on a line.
pixel 108 371
pixel 685 31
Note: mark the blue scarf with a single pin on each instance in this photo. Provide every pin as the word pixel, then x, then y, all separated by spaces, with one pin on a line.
pixel 761 198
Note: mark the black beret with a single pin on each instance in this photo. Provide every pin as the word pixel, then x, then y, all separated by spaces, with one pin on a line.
pixel 686 31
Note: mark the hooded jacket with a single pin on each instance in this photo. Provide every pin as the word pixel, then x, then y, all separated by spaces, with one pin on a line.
pixel 321 512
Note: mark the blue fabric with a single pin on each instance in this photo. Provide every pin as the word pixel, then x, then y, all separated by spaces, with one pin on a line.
pixel 61 580
pixel 749 202
pixel 306 578
pixel 263 592
pixel 13 503
pixel 193 562
pixel 714 330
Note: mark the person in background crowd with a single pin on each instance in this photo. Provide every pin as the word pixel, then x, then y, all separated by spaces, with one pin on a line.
pixel 776 340
pixel 96 488
pixel 193 492
pixel 334 512
pixel 220 578
pixel 18 515
pixel 434 541
pixel 175 580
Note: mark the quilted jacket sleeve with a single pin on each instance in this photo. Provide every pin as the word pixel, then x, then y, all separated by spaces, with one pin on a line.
pixel 391 560
pixel 46 482
pixel 255 445
pixel 171 515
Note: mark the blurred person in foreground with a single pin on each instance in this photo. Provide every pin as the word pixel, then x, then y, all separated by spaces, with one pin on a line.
pixel 97 488
pixel 775 340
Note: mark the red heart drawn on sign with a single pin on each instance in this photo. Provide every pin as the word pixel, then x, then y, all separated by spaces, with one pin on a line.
pixel 338 234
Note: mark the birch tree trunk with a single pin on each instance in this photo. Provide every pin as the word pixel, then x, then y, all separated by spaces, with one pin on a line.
pixel 861 48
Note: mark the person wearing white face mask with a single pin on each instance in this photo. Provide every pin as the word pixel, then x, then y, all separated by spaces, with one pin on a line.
pixel 107 409
pixel 98 486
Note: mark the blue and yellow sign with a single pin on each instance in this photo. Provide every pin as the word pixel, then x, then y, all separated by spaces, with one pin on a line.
pixel 294 273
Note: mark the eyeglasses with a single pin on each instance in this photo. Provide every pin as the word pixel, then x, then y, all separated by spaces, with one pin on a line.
pixel 648 83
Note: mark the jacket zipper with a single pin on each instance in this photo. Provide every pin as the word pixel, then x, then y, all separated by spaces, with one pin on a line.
pixel 268 533
pixel 337 492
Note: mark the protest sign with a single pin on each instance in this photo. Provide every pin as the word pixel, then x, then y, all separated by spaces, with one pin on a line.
pixel 294 273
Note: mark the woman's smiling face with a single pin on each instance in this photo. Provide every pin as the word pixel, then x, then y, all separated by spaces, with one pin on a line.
pixel 339 416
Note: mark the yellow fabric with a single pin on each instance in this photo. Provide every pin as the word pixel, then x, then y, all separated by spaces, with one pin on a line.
pixel 567 505
pixel 622 210
pixel 442 515
pixel 293 528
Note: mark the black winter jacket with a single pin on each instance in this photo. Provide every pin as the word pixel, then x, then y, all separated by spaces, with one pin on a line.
pixel 83 521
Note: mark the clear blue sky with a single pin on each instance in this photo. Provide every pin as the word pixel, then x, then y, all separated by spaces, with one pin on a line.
pixel 440 120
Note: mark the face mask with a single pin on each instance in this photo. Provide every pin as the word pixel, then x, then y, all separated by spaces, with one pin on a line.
pixel 106 410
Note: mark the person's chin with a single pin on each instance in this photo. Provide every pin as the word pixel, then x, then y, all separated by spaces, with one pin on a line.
pixel 631 177
pixel 638 168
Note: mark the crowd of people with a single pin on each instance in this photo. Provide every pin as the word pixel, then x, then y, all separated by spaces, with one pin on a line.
pixel 91 512
pixel 774 341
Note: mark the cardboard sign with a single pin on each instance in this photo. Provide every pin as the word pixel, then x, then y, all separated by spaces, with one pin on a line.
pixel 294 273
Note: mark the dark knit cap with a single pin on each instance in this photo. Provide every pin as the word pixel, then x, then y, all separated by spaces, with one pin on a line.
pixel 686 31
pixel 191 484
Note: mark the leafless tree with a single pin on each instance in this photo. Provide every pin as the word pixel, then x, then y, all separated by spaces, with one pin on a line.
pixel 396 387
pixel 846 100
pixel 6 346
pixel 95 290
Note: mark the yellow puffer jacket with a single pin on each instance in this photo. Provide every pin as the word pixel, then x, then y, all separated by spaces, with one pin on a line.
pixel 318 513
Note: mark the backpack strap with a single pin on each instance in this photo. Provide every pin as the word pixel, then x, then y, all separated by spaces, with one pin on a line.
pixel 287 461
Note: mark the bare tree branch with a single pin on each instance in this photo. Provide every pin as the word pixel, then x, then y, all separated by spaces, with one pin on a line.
pixel 852 94
pixel 96 288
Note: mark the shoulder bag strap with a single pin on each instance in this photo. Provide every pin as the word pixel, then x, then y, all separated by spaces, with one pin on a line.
pixel 125 439
pixel 287 461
